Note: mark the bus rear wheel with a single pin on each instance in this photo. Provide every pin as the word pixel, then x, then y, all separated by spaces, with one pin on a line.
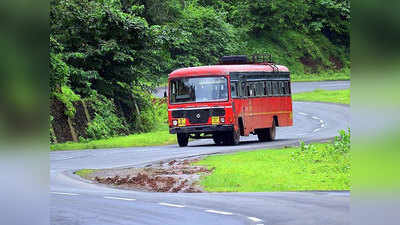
pixel 183 139
pixel 267 134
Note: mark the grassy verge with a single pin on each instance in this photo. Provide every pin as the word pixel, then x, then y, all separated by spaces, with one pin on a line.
pixel 323 76
pixel 336 96
pixel 84 173
pixel 158 137
pixel 310 167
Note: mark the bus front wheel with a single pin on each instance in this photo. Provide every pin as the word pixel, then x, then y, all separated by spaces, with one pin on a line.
pixel 183 139
pixel 218 139
pixel 232 138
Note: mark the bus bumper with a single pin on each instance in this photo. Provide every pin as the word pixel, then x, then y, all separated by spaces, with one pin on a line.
pixel 201 129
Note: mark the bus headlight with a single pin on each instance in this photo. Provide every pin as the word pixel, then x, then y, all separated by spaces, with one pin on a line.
pixel 222 120
pixel 175 122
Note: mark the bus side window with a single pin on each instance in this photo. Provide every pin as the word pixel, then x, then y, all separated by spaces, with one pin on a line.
pixel 243 92
pixel 269 87
pixel 275 91
pixel 288 92
pixel 265 89
pixel 282 88
pixel 279 90
pixel 234 89
pixel 259 88
pixel 251 89
pixel 254 88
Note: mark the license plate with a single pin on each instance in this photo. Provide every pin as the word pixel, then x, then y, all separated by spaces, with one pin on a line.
pixel 182 122
pixel 215 120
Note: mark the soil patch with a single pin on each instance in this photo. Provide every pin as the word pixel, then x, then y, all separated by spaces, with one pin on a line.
pixel 172 176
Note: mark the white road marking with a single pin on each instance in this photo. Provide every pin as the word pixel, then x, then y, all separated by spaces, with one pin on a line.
pixel 66 158
pixel 254 219
pixel 172 205
pixel 322 125
pixel 118 198
pixel 332 85
pixel 316 118
pixel 316 130
pixel 62 193
pixel 219 212
pixel 304 114
pixel 321 121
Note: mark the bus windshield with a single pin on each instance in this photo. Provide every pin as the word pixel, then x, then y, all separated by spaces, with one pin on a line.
pixel 198 89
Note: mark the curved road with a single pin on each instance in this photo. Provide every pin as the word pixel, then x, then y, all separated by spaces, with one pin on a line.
pixel 76 201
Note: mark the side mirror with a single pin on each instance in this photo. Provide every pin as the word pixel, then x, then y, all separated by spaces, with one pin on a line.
pixel 165 94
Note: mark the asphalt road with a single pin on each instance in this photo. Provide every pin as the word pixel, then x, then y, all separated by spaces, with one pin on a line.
pixel 76 201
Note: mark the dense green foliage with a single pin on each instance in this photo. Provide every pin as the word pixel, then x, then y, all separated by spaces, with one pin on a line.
pixel 308 167
pixel 122 49
pixel 105 123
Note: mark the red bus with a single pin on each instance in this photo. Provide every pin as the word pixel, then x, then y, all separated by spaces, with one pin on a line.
pixel 223 102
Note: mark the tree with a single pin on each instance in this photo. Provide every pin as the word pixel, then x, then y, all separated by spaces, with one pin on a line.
pixel 105 48
pixel 200 37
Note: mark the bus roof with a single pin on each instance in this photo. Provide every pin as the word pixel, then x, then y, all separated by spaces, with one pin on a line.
pixel 226 69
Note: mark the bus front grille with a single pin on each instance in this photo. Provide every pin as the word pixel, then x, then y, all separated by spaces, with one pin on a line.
pixel 197 116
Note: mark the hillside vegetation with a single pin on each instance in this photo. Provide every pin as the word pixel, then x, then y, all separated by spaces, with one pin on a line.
pixel 107 55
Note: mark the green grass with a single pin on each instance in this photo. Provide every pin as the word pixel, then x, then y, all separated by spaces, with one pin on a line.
pixel 336 96
pixel 322 76
pixel 84 173
pixel 318 168
pixel 158 137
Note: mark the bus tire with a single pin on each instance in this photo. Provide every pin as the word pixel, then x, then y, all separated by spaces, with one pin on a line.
pixel 218 139
pixel 236 137
pixel 271 134
pixel 267 134
pixel 262 134
pixel 183 139
pixel 232 138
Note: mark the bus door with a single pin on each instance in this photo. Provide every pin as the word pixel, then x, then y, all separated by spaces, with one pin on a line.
pixel 240 110
pixel 235 94
pixel 246 107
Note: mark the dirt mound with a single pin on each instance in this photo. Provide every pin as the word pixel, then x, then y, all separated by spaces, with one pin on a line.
pixel 173 176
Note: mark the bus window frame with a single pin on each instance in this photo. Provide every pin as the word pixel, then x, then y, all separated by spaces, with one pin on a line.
pixel 245 81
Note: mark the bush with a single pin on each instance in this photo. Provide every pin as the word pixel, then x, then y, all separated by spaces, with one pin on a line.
pixel 153 116
pixel 106 123
pixel 67 96
pixel 342 143
pixel 337 152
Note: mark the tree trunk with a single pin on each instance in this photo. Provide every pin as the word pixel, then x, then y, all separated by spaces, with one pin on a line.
pixel 138 112
pixel 73 133
pixel 86 111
